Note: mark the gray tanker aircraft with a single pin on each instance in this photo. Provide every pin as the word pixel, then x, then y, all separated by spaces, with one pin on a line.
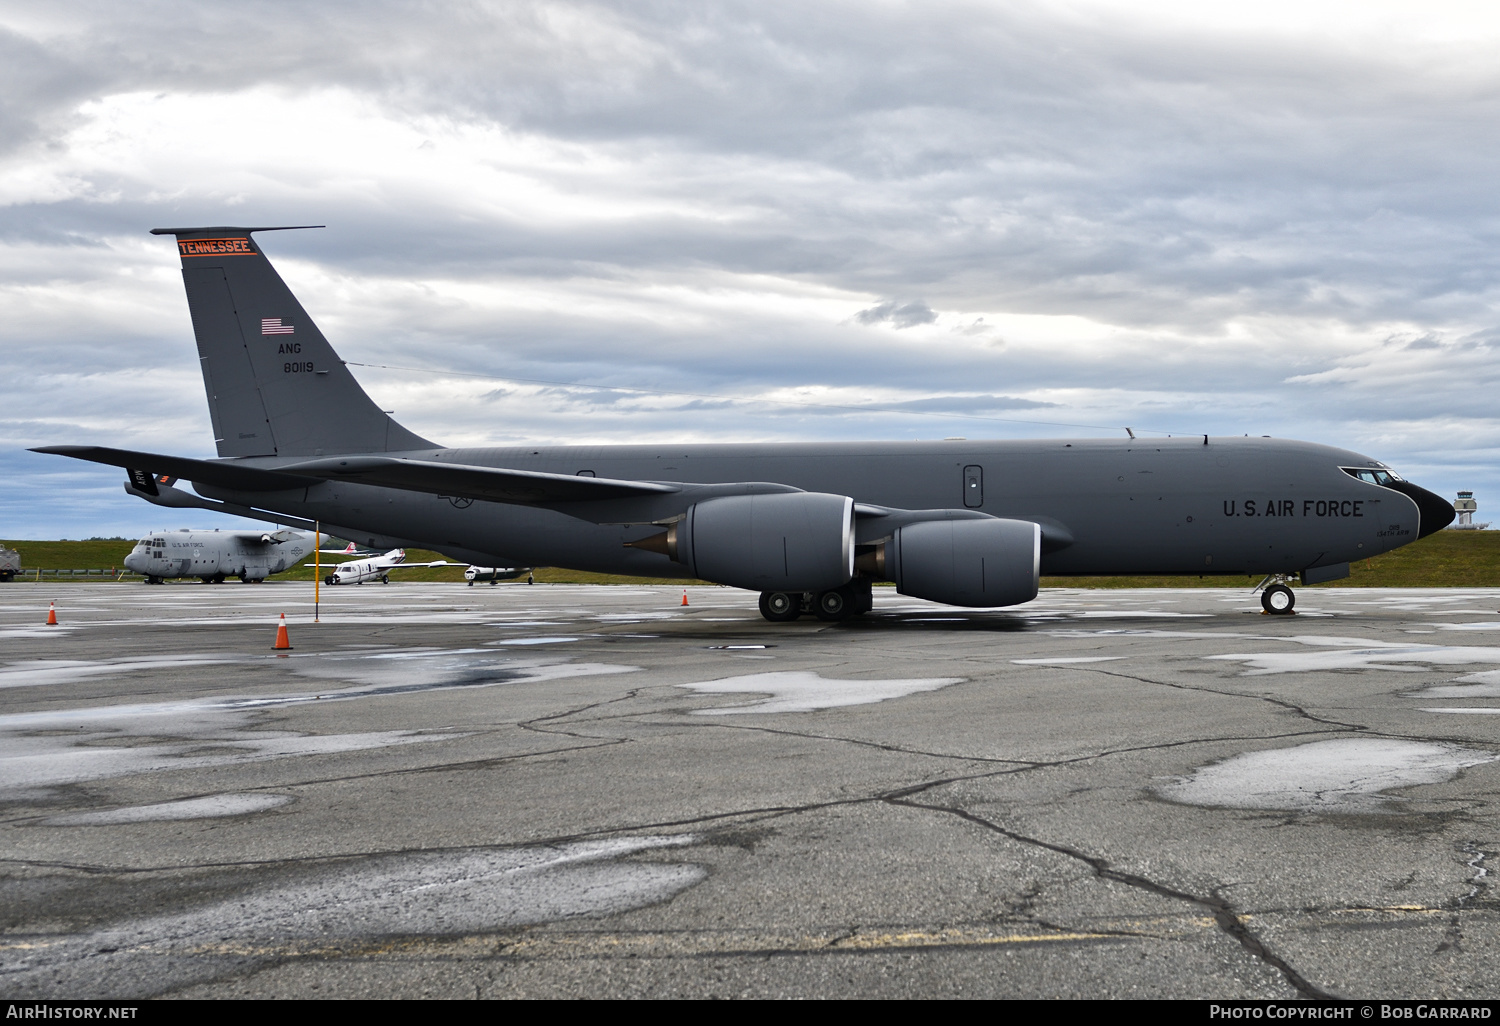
pixel 808 525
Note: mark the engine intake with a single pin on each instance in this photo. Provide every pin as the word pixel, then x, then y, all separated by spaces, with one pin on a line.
pixel 963 562
pixel 784 541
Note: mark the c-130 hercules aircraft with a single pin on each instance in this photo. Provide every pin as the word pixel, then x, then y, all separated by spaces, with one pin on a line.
pixel 808 525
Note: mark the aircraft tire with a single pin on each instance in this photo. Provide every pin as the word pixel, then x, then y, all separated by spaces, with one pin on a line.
pixel 385 579
pixel 1278 600
pixel 780 606
pixel 833 606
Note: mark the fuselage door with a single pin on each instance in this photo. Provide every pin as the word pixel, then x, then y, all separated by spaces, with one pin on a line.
pixel 973 487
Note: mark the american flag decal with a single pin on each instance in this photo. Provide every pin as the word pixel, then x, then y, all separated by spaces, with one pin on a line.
pixel 273 326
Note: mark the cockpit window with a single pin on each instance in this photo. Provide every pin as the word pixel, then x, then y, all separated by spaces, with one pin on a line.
pixel 1373 476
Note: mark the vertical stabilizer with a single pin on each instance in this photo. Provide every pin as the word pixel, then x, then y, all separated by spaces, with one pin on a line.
pixel 275 385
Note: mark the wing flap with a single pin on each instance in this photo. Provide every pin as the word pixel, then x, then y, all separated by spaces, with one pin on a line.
pixel 496 484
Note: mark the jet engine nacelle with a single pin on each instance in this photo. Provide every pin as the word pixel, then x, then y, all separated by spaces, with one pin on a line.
pixel 966 562
pixel 784 541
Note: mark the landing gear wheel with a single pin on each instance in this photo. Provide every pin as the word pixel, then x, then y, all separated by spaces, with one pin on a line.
pixel 835 605
pixel 1278 600
pixel 780 606
pixel 385 579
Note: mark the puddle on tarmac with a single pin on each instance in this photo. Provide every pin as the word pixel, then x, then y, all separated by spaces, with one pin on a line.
pixel 1335 653
pixel 803 691
pixel 60 746
pixel 211 807
pixel 38 672
pixel 535 641
pixel 1485 684
pixel 1064 660
pixel 1346 775
pixel 406 894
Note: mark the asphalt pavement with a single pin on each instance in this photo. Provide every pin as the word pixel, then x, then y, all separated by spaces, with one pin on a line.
pixel 575 791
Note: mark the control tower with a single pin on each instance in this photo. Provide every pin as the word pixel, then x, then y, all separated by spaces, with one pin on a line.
pixel 1466 507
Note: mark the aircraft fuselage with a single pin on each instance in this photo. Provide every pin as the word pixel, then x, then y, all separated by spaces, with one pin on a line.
pixel 1169 506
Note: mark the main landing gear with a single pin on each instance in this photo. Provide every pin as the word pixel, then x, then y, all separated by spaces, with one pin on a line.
pixel 1277 599
pixel 853 599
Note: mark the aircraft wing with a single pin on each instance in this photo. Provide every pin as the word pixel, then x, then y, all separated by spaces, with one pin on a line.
pixel 265 537
pixel 376 565
pixel 220 473
pixel 524 487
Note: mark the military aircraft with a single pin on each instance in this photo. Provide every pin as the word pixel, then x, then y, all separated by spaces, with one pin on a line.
pixel 809 525
pixel 358 571
pixel 494 574
pixel 212 556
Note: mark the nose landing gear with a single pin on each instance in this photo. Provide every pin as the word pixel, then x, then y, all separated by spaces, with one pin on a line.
pixel 1277 599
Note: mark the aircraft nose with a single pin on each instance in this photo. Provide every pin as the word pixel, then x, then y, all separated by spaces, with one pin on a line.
pixel 1436 511
pixel 131 563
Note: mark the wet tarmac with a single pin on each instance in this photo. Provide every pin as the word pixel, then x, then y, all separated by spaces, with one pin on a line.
pixel 569 791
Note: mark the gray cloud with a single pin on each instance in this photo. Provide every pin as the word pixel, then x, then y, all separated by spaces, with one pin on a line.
pixel 901 315
pixel 1243 221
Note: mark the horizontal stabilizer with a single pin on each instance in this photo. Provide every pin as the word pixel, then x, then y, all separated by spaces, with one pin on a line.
pixel 217 473
pixel 521 487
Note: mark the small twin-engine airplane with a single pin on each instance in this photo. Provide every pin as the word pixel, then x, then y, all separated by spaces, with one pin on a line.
pixel 808 525
pixel 252 556
pixel 358 571
pixel 495 573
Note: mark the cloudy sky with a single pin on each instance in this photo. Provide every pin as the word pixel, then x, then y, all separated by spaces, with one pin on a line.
pixel 980 219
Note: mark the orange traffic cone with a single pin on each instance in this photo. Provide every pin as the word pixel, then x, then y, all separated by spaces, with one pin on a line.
pixel 52 614
pixel 282 641
pixel 684 596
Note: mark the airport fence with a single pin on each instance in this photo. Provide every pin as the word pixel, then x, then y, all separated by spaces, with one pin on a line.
pixel 36 575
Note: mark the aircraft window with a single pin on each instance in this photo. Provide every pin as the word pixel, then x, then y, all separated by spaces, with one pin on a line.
pixel 1379 477
pixel 973 487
